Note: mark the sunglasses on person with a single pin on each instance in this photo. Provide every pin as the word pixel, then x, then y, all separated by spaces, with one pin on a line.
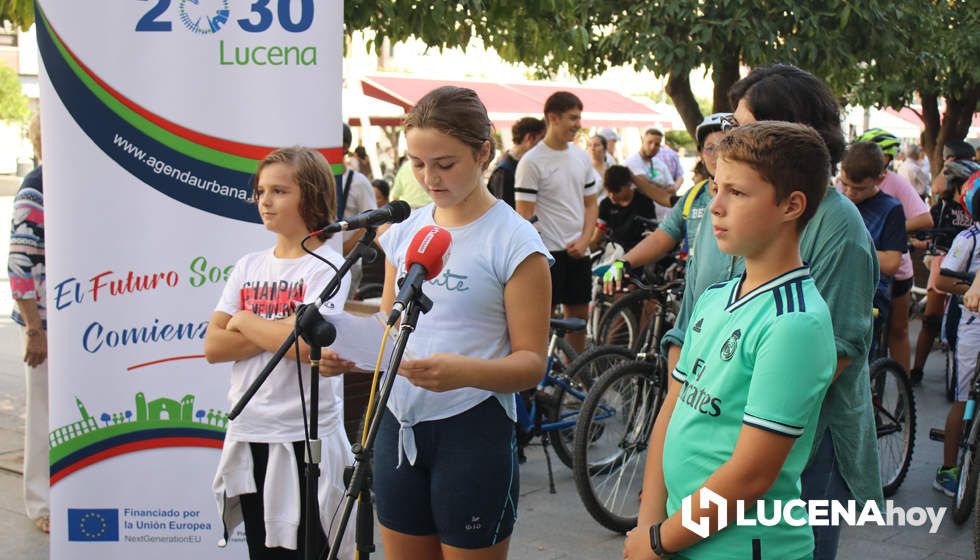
pixel 728 122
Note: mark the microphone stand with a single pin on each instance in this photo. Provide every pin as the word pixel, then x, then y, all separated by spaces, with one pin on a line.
pixel 317 332
pixel 359 486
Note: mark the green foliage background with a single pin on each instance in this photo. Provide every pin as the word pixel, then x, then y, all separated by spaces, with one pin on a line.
pixel 13 103
pixel 871 52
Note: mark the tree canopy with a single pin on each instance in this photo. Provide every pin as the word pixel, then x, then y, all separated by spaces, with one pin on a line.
pixel 13 103
pixel 872 52
pixel 17 12
pixel 936 62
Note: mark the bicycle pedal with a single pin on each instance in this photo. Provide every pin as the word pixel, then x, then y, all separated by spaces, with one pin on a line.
pixel 937 434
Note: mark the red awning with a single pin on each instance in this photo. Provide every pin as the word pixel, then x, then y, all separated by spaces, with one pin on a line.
pixel 508 102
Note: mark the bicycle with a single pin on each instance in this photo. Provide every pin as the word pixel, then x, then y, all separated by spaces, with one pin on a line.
pixel 976 522
pixel 950 321
pixel 549 410
pixel 623 323
pixel 615 421
pixel 601 303
pixel 893 404
pixel 969 439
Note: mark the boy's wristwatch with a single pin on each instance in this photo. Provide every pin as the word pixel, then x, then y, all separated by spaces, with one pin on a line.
pixel 656 544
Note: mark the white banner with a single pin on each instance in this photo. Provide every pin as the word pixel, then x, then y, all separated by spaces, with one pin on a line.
pixel 155 114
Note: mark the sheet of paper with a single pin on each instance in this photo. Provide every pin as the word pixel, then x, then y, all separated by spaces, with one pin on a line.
pixel 359 338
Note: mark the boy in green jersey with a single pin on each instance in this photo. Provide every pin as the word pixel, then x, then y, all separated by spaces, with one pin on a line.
pixel 744 399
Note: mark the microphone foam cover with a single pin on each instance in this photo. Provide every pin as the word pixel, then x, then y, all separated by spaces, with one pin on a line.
pixel 399 211
pixel 429 248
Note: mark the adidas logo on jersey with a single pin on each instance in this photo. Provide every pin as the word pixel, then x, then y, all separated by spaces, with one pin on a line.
pixel 697 326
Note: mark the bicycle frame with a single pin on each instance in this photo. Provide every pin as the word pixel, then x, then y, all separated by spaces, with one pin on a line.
pixel 655 329
pixel 528 417
pixel 968 440
pixel 652 332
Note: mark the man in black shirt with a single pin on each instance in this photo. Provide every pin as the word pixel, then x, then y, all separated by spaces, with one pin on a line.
pixel 526 133
pixel 618 210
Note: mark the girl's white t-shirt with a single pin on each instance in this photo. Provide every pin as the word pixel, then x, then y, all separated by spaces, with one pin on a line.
pixel 467 315
pixel 272 288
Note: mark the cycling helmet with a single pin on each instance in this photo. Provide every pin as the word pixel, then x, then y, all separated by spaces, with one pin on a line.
pixel 710 124
pixel 888 142
pixel 969 198
pixel 960 169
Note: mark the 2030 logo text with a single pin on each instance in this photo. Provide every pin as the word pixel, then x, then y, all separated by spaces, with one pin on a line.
pixel 209 16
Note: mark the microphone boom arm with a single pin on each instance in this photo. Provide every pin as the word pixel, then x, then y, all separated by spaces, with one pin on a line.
pixel 360 476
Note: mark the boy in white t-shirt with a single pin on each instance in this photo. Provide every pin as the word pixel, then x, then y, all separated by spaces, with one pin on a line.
pixel 261 466
pixel 555 181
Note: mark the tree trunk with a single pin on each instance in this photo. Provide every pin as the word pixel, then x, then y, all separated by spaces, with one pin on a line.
pixel 931 120
pixel 679 89
pixel 960 113
pixel 955 123
pixel 724 74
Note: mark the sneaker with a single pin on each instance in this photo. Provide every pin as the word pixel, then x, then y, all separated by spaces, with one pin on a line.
pixel 947 480
pixel 915 376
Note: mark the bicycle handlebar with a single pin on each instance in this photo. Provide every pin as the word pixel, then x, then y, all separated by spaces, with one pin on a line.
pixel 923 234
pixel 965 276
pixel 673 285
pixel 647 222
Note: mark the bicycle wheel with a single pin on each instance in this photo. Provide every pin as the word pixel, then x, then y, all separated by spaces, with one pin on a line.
pixel 894 407
pixel 620 326
pixel 966 487
pixel 600 304
pixel 611 438
pixel 976 526
pixel 565 405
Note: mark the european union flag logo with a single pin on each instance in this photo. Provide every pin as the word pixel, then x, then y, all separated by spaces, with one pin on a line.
pixel 93 524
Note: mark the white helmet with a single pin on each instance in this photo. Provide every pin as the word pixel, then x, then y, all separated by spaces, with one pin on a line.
pixel 711 123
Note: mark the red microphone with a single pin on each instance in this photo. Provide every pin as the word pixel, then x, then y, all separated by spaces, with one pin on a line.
pixel 424 259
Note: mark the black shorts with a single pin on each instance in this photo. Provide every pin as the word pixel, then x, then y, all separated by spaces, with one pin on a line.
pixel 464 484
pixel 571 279
pixel 901 287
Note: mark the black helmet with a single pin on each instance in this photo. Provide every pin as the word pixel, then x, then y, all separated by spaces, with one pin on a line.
pixel 958 149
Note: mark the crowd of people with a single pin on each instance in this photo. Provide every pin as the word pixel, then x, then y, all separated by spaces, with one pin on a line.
pixel 790 236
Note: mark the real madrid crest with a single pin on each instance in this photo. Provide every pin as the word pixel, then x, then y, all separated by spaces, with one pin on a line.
pixel 728 349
